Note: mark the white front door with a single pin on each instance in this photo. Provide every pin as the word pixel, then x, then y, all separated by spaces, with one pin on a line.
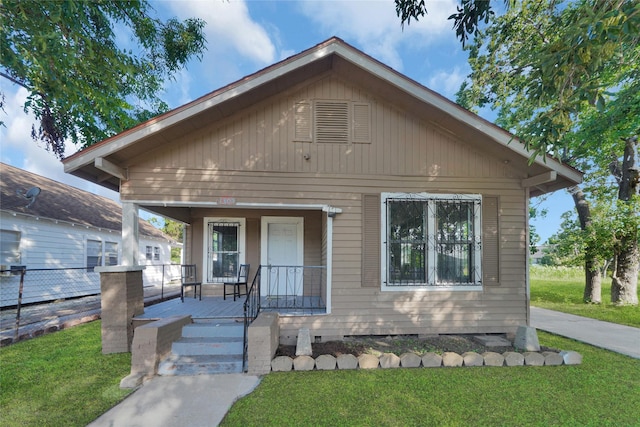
pixel 282 253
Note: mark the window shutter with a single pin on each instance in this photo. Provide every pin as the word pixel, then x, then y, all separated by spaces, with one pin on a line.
pixel 302 121
pixel 361 122
pixel 371 240
pixel 332 122
pixel 490 241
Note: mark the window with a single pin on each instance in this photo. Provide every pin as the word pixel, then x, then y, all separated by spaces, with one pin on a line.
pixel 94 254
pixel 225 248
pixel 431 241
pixel 110 253
pixel 9 248
pixel 332 121
pixel 156 253
pixel 149 253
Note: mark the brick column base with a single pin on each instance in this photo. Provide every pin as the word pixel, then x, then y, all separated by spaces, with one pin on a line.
pixel 122 299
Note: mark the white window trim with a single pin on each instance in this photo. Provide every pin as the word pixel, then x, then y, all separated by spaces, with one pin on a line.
pixel 205 241
pixel 430 254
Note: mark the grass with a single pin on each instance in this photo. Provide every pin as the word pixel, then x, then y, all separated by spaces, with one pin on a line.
pixel 562 289
pixel 602 391
pixel 60 379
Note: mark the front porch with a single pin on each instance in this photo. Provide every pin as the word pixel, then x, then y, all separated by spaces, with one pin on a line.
pixel 287 290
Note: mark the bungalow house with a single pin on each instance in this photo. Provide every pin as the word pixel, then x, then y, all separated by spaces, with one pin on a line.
pixel 352 189
pixel 63 232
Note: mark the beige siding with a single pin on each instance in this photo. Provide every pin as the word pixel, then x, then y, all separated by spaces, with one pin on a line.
pixel 253 158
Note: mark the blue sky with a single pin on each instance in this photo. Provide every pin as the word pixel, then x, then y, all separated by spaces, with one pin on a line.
pixel 246 36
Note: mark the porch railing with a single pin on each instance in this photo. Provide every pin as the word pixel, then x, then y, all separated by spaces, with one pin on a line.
pixel 290 287
pixel 251 311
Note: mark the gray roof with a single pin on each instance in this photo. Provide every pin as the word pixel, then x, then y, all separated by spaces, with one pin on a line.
pixel 62 202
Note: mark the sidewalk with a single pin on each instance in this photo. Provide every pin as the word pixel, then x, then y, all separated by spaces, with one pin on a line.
pixel 189 401
pixel 610 336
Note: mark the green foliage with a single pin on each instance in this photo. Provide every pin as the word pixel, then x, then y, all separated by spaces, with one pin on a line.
pixel 543 65
pixel 60 379
pixel 466 21
pixel 517 396
pixel 82 85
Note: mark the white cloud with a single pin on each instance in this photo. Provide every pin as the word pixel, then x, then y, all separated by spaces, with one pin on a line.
pixel 447 82
pixel 229 27
pixel 376 28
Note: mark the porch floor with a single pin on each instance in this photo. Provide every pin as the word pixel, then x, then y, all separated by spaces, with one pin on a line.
pixel 216 308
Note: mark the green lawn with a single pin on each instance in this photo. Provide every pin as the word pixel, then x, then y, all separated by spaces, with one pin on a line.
pixel 63 379
pixel 60 379
pixel 603 391
pixel 561 289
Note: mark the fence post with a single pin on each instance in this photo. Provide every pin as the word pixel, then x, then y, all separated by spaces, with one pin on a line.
pixel 23 271
pixel 162 285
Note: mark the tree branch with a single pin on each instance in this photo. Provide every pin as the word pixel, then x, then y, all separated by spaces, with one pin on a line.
pixel 14 80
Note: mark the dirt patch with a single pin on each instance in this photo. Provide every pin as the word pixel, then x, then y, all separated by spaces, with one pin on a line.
pixel 398 344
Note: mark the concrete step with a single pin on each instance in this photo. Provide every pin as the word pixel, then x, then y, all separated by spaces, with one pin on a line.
pixel 198 346
pixel 200 365
pixel 210 329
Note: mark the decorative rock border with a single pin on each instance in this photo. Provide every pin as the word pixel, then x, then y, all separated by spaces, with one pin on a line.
pixel 428 360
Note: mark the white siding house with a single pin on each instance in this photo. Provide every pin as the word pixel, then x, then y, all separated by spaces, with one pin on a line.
pixel 63 227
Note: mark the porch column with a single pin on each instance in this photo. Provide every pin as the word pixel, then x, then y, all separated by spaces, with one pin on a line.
pixel 130 239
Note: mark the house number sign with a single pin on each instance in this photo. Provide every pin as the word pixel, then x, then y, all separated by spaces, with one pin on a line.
pixel 227 201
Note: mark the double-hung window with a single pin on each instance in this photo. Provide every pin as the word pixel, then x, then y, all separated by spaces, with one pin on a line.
pixel 431 241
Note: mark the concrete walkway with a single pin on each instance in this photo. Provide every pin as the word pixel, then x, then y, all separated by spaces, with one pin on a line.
pixel 611 336
pixel 189 401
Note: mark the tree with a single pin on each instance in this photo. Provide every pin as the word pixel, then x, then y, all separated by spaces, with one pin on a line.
pixel 82 85
pixel 173 229
pixel 564 78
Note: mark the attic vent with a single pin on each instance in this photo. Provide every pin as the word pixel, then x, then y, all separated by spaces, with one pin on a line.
pixel 332 122
pixel 303 121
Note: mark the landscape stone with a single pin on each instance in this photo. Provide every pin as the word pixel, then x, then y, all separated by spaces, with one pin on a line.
pixel 471 358
pixel 571 357
pixel 368 361
pixel 431 360
pixel 551 358
pixel 450 359
pixel 410 360
pixel 492 358
pixel 532 358
pixel 325 362
pixel 282 364
pixel 303 347
pixel 304 363
pixel 389 360
pixel 347 361
pixel 526 339
pixel 511 358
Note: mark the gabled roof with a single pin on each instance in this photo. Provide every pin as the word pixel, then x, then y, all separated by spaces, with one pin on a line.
pixel 61 202
pixel 106 162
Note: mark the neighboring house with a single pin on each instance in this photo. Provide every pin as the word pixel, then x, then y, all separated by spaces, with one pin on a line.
pixel 415 209
pixel 45 224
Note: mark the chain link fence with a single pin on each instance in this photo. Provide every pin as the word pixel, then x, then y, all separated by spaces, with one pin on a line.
pixel 29 296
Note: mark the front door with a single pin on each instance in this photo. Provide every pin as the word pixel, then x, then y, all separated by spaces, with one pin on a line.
pixel 282 253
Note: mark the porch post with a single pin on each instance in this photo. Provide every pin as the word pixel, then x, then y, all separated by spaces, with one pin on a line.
pixel 130 239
